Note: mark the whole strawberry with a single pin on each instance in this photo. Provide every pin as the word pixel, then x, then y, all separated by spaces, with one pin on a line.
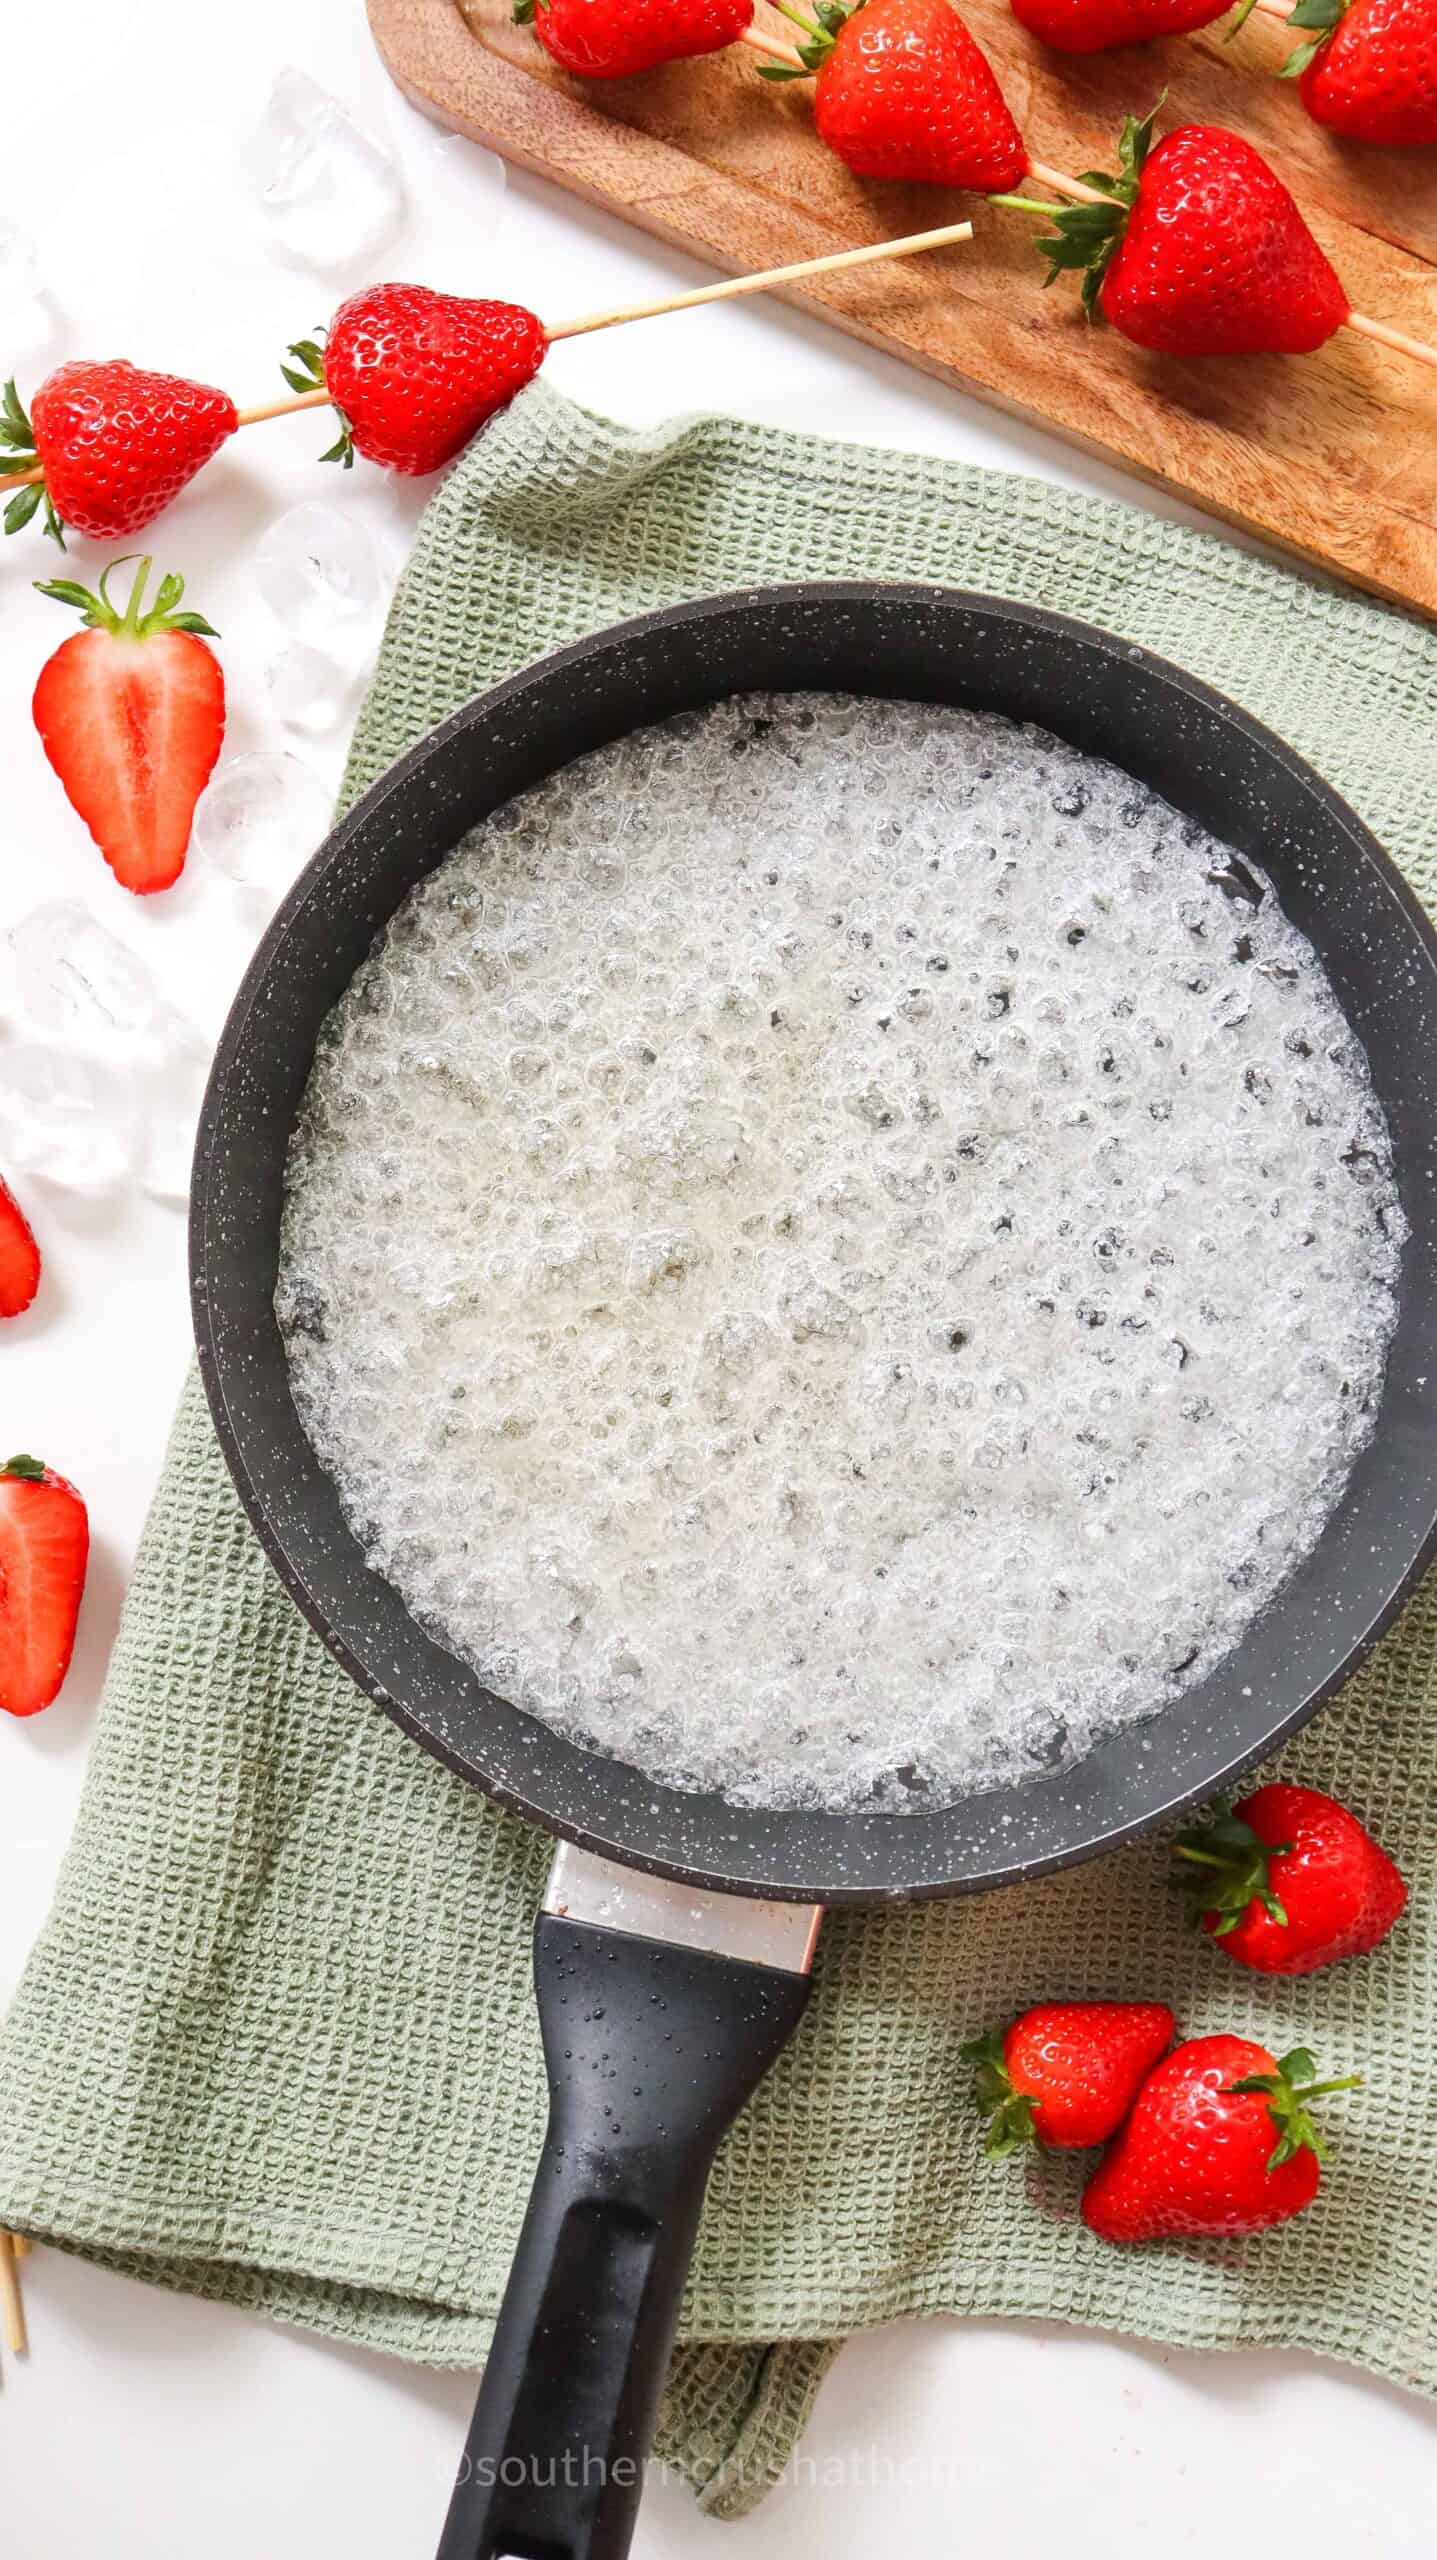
pixel 1219 2140
pixel 613 39
pixel 1288 1881
pixel 903 91
pixel 1370 70
pixel 115 445
pixel 1091 26
pixel 415 374
pixel 1198 250
pixel 131 713
pixel 1066 2072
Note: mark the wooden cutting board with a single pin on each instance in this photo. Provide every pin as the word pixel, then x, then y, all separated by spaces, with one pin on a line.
pixel 1332 455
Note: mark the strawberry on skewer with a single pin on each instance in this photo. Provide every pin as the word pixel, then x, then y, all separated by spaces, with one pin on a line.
pixel 414 374
pixel 1369 68
pixel 1094 26
pixel 1195 248
pixel 614 39
pixel 106 446
pixel 902 90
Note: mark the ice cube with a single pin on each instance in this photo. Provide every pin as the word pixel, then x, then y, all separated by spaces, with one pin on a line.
pixel 330 195
pixel 310 688
pixel 28 317
pixel 67 1119
pixel 173 1092
pixel 69 976
pixel 261 817
pixel 318 571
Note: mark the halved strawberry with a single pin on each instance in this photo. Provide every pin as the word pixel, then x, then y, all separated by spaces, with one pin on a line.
pixel 19 1256
pixel 44 1549
pixel 131 713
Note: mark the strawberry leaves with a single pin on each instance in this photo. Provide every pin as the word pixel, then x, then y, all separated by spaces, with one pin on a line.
pixel 1228 1870
pixel 128 621
pixel 1288 2091
pixel 818 34
pixel 17 453
pixel 307 374
pixel 1324 15
pixel 1085 237
pixel 1009 2111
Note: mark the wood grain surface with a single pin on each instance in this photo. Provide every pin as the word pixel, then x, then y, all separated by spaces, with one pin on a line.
pixel 1332 455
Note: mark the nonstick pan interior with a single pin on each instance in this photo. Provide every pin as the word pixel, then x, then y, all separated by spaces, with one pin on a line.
pixel 1202 754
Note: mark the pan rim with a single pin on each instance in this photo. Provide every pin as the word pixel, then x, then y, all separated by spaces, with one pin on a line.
pixel 214 1352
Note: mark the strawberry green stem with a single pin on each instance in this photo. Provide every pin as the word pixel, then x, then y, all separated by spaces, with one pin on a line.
pixel 796 18
pixel 1029 204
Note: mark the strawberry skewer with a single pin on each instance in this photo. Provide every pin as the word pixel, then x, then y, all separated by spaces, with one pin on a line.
pixel 439 365
pixel 901 90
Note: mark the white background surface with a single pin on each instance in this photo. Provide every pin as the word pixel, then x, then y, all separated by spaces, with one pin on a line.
pixel 151 2428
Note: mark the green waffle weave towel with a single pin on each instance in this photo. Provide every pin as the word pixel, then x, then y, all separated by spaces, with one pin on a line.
pixel 275 2044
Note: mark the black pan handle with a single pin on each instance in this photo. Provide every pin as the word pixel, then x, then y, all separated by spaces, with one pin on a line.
pixel 651 2050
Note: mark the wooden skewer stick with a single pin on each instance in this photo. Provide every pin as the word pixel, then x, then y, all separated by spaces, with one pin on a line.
pixel 12 2309
pixel 772 280
pixel 20 2244
pixel 778 51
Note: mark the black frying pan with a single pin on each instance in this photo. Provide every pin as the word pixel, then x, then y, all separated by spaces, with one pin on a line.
pixel 653 1976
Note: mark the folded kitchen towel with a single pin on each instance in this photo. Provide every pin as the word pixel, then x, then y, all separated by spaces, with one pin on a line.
pixel 275 2044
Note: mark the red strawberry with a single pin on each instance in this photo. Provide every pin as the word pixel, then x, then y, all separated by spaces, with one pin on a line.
pixel 131 712
pixel 1090 26
pixel 19 1256
pixel 1371 69
pixel 1219 2139
pixel 115 445
pixel 904 92
pixel 44 1546
pixel 414 374
pixel 1288 1881
pixel 1199 249
pixel 612 39
pixel 1066 2072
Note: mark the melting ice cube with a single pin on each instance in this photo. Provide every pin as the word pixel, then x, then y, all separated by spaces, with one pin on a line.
pixel 329 193
pixel 68 1119
pixel 318 571
pixel 262 816
pixel 69 976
